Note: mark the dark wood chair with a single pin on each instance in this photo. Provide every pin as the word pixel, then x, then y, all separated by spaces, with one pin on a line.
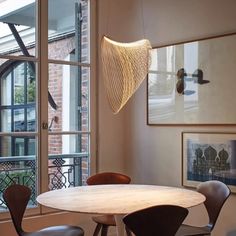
pixel 16 198
pixel 163 220
pixel 104 221
pixel 216 194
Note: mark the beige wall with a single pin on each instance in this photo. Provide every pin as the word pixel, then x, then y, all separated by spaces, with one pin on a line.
pixel 153 154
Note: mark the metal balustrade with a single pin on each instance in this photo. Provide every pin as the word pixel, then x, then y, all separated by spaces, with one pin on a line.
pixel 64 171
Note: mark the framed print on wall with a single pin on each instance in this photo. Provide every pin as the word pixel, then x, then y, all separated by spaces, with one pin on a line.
pixel 209 156
pixel 193 83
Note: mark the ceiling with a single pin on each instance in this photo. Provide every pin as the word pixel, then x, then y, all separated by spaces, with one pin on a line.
pixel 61 12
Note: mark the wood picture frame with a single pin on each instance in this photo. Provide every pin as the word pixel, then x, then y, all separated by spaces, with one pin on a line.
pixel 208 156
pixel 193 83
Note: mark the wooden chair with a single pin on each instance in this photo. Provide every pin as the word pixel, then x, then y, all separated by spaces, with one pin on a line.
pixel 104 221
pixel 163 220
pixel 216 194
pixel 17 197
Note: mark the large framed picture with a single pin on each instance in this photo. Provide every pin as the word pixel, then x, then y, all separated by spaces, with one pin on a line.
pixel 209 156
pixel 193 83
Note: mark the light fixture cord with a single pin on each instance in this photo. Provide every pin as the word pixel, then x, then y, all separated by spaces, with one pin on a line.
pixel 108 16
pixel 142 18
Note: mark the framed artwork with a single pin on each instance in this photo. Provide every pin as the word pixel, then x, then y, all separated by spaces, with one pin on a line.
pixel 193 83
pixel 209 156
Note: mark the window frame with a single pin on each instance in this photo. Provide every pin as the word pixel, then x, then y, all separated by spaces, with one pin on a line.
pixel 12 107
pixel 42 65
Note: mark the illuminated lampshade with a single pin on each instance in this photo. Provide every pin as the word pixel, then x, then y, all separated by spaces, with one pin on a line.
pixel 125 66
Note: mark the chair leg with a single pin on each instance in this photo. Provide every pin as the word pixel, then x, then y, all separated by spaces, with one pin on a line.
pixel 128 231
pixel 97 229
pixel 104 230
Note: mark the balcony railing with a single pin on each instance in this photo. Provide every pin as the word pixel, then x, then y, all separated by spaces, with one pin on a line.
pixel 64 171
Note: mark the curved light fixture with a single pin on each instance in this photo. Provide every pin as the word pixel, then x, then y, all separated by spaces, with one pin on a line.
pixel 125 66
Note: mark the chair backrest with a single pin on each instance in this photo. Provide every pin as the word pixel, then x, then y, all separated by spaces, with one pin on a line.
pixel 108 178
pixel 216 194
pixel 17 197
pixel 163 220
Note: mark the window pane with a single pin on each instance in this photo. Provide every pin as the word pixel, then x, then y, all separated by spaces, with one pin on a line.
pixel 6 120
pixel 6 147
pixel 68 30
pixel 69 87
pixel 22 122
pixel 18 164
pixel 31 83
pixel 17 26
pixel 24 83
pixel 31 119
pixel 31 146
pixel 19 147
pixel 68 163
pixel 18 80
pixel 19 120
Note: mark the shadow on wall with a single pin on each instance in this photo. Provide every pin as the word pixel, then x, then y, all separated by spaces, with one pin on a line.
pixel 232 233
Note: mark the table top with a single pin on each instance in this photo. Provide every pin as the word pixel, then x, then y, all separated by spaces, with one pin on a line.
pixel 118 199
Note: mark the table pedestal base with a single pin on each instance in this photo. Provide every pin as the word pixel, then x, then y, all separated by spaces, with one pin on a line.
pixel 120 226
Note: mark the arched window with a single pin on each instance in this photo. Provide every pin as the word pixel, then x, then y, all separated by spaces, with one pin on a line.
pixel 17 107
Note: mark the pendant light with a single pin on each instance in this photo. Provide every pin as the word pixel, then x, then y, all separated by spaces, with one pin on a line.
pixel 125 66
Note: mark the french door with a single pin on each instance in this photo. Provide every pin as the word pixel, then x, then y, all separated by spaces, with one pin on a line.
pixel 45 122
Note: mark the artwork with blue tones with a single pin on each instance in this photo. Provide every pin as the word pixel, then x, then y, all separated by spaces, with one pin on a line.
pixel 209 156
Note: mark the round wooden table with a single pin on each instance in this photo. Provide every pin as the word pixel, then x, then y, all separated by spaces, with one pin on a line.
pixel 118 200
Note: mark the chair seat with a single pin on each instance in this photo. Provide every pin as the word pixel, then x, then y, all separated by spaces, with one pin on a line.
pixel 187 230
pixel 105 220
pixel 62 230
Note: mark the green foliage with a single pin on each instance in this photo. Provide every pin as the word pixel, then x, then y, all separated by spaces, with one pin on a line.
pixel 19 93
pixel 31 91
